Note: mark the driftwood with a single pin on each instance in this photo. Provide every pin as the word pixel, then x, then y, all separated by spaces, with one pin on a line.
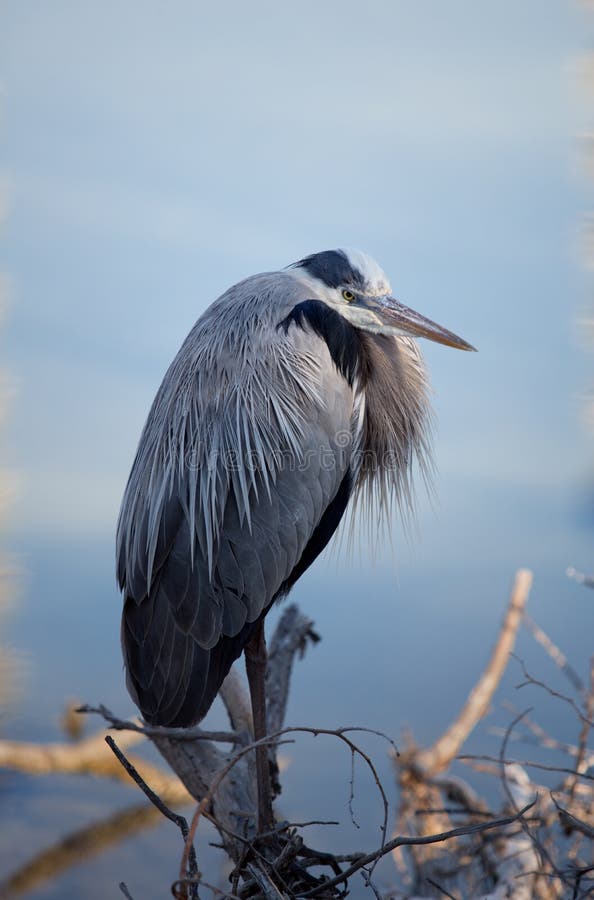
pixel 82 845
pixel 546 857
pixel 445 750
pixel 201 766
pixel 277 864
pixel 422 785
pixel 193 754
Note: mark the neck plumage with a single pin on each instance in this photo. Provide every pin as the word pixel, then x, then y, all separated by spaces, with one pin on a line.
pixel 396 427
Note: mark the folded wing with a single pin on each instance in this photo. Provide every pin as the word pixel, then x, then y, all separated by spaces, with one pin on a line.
pixel 242 475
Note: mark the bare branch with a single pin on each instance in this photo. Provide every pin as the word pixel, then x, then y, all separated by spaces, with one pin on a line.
pixel 86 757
pixel 293 633
pixel 549 690
pixel 582 763
pixel 441 889
pixel 180 734
pixel 438 757
pixel 515 796
pixel 268 888
pixel 557 655
pixel 568 820
pixel 236 699
pixel 416 841
pixel 275 740
pixel 525 763
pixel 180 821
pixel 539 735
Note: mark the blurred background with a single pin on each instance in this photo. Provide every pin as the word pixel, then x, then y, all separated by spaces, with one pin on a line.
pixel 152 155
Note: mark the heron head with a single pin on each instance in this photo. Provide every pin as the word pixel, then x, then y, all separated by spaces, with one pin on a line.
pixel 354 285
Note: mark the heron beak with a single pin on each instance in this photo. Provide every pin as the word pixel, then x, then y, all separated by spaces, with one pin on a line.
pixel 405 321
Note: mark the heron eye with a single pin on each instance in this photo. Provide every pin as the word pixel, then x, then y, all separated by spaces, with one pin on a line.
pixel 348 296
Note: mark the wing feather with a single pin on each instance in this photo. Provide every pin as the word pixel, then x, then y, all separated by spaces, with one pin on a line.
pixel 242 454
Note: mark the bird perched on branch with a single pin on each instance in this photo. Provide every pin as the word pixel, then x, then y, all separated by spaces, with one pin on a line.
pixel 296 392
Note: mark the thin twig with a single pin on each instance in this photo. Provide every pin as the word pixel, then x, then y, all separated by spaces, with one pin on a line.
pixel 416 841
pixel 551 691
pixel 543 855
pixel 440 888
pixel 186 882
pixel 180 821
pixel 312 822
pixel 450 811
pixel 369 883
pixel 556 654
pixel 525 763
pixel 584 734
pixel 567 819
pixel 352 792
pixel 540 736
pixel 158 731
pixel 274 739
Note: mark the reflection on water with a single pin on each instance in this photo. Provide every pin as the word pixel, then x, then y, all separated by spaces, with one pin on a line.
pixel 79 847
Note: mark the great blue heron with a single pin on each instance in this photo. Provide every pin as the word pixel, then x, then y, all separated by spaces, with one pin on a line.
pixel 294 392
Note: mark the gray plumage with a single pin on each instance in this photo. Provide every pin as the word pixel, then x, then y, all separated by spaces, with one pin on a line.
pixel 279 406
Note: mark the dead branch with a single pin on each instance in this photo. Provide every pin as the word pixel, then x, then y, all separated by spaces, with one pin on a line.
pixel 539 736
pixel 532 852
pixel 86 757
pixel 438 757
pixel 180 734
pixel 530 680
pixel 525 763
pixel 416 841
pixel 273 865
pixel 191 866
pixel 420 786
pixel 556 654
pixel 290 638
pixel 523 863
pixel 583 762
pixel 274 740
pixel 235 697
pixel 199 764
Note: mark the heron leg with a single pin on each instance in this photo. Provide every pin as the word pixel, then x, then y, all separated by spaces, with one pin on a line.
pixel 255 665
